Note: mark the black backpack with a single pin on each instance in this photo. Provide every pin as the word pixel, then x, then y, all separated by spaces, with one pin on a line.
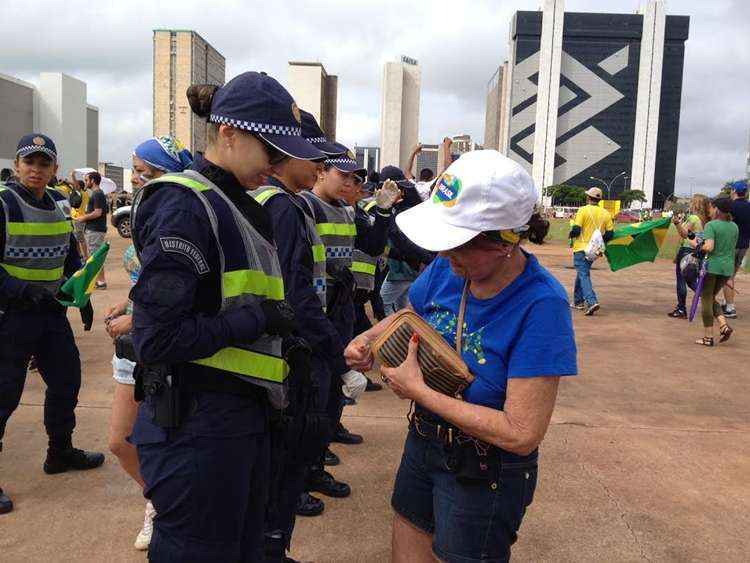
pixel 75 199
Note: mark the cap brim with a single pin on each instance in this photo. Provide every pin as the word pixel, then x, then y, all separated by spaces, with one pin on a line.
pixel 35 150
pixel 331 149
pixel 424 225
pixel 350 167
pixel 296 147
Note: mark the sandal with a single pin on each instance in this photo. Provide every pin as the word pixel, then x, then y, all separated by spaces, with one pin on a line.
pixel 706 341
pixel 725 332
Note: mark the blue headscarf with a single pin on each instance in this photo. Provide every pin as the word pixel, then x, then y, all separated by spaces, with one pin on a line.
pixel 164 153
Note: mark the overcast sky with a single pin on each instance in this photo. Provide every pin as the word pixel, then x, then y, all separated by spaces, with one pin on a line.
pixel 459 45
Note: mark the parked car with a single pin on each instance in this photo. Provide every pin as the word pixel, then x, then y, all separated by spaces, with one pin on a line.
pixel 121 221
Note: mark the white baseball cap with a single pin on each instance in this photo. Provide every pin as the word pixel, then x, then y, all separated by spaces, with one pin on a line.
pixel 481 191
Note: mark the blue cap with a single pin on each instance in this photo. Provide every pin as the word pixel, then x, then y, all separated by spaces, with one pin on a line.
pixel 36 142
pixel 255 102
pixel 396 174
pixel 740 186
pixel 314 134
pixel 345 162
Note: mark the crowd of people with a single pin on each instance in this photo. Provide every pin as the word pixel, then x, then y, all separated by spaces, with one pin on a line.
pixel 714 235
pixel 255 268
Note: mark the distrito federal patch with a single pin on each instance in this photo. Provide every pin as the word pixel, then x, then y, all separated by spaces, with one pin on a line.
pixel 178 245
pixel 446 191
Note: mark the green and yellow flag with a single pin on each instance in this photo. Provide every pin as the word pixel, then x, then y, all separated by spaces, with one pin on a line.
pixel 80 285
pixel 636 243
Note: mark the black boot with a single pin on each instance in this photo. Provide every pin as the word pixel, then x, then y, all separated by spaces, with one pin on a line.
pixel 372 386
pixel 331 459
pixel 6 505
pixel 343 436
pixel 308 505
pixel 324 483
pixel 60 461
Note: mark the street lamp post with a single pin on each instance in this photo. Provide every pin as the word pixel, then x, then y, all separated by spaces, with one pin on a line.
pixel 609 185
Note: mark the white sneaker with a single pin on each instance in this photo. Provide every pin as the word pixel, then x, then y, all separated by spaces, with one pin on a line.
pixel 144 536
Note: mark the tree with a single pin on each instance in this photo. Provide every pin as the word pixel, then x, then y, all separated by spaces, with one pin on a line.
pixel 628 197
pixel 564 194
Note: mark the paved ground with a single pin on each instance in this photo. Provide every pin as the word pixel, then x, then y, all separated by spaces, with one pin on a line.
pixel 647 457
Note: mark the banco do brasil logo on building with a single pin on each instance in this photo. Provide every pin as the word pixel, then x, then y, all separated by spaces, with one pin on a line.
pixel 447 190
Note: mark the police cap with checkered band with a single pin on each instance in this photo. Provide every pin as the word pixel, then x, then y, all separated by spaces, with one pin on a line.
pixel 36 143
pixel 257 103
pixel 313 133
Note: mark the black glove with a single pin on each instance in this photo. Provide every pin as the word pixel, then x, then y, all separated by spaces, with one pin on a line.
pixel 297 354
pixel 279 317
pixel 87 316
pixel 39 298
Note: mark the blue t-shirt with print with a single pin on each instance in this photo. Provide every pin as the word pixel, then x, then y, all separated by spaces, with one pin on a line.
pixel 524 331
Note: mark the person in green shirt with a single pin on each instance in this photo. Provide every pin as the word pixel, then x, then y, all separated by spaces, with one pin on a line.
pixel 720 239
pixel 687 225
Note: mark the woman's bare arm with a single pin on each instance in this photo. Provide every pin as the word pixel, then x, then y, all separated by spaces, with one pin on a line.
pixel 519 428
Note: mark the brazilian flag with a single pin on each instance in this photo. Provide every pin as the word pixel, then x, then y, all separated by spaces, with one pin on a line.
pixel 80 285
pixel 636 243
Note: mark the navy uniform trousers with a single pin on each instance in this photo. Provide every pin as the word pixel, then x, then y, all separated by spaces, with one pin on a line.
pixel 223 442
pixel 292 457
pixel 46 336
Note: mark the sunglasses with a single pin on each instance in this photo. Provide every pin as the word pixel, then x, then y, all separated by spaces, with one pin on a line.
pixel 275 156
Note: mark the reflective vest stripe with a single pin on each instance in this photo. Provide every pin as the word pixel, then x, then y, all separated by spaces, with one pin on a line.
pixel 369 206
pixel 364 268
pixel 247 363
pixel 40 229
pixel 337 229
pixel 27 274
pixel 190 183
pixel 240 282
pixel 319 252
pixel 265 196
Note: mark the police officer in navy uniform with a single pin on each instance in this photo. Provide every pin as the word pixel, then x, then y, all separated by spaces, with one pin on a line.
pixel 37 253
pixel 336 225
pixel 303 265
pixel 211 325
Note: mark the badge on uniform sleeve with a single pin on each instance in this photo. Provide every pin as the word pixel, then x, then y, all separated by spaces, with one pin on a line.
pixel 178 245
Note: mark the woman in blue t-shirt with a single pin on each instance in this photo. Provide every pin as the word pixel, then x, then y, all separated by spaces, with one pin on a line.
pixel 469 467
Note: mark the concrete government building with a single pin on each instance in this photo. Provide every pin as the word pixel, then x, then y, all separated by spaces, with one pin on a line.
pixel 57 107
pixel 592 95
pixel 399 111
pixel 315 91
pixel 182 58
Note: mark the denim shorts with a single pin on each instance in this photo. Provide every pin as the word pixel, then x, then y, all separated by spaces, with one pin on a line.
pixel 469 520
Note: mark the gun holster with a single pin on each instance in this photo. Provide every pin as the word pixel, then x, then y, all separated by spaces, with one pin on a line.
pixel 157 384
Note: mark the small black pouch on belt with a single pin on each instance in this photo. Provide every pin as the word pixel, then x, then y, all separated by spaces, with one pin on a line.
pixel 479 463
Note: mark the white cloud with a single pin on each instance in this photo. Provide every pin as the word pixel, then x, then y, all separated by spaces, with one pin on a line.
pixel 459 44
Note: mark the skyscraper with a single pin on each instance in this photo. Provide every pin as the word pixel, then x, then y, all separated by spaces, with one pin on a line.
pixel 399 111
pixel 182 58
pixel 493 111
pixel 315 91
pixel 57 105
pixel 596 97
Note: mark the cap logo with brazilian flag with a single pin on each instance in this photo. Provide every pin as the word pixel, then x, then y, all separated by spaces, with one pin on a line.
pixel 447 189
pixel 494 192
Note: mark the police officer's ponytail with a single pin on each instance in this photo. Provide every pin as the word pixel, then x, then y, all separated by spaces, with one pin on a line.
pixel 200 97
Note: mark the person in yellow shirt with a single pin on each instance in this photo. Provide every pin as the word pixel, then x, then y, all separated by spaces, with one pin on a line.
pixel 76 212
pixel 590 218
